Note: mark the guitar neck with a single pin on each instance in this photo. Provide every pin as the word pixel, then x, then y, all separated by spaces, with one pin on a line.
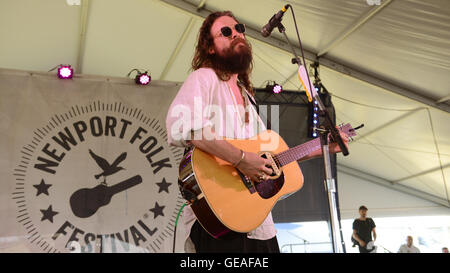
pixel 124 185
pixel 298 152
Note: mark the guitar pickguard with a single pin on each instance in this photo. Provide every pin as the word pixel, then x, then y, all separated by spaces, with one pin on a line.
pixel 247 182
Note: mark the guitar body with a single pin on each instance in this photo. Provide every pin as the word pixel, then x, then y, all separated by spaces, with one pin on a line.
pixel 221 198
pixel 85 202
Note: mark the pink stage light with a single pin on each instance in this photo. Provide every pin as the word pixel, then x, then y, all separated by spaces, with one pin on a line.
pixel 143 79
pixel 277 89
pixel 65 72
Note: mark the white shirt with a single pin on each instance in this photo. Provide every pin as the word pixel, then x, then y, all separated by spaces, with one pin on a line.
pixel 406 249
pixel 205 100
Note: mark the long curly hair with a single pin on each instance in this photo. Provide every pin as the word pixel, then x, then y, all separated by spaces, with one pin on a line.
pixel 202 57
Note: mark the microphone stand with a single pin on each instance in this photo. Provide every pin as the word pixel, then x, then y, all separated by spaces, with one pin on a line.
pixel 326 128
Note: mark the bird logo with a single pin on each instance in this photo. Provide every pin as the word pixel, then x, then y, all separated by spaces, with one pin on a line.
pixel 108 169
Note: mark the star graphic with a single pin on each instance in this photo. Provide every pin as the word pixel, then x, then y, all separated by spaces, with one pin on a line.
pixel 48 214
pixel 42 188
pixel 157 210
pixel 163 186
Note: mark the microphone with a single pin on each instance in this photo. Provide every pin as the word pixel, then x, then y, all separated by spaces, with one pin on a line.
pixel 273 22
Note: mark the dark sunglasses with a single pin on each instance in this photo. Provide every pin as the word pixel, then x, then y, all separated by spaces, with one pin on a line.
pixel 226 31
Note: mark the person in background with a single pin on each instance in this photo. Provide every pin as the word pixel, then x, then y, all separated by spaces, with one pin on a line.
pixel 363 228
pixel 408 247
pixel 444 250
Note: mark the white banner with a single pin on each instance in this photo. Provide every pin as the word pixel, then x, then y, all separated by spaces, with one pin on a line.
pixel 85 165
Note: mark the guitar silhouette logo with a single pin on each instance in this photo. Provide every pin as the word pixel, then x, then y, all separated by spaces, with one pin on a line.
pixel 86 202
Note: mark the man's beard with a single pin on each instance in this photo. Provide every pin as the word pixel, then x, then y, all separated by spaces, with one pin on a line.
pixel 234 60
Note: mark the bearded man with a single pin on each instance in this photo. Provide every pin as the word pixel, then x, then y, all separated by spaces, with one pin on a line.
pixel 216 101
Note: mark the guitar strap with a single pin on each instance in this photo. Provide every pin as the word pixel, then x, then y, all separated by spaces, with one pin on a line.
pixel 252 100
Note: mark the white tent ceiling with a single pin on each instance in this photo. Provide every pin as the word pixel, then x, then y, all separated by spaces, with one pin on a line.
pixel 386 65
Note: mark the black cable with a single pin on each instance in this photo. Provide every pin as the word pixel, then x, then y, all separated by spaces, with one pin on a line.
pixel 301 46
pixel 377 107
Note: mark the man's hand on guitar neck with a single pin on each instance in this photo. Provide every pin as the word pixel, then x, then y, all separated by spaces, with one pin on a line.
pixel 333 147
pixel 252 165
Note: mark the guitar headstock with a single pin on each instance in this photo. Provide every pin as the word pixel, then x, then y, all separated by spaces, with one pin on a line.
pixel 348 130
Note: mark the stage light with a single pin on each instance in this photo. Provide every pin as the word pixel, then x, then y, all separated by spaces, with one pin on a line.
pixel 143 78
pixel 277 89
pixel 313 120
pixel 65 72
pixel 274 87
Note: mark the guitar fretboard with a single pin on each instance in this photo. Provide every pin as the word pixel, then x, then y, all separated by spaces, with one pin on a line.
pixel 298 152
pixel 305 149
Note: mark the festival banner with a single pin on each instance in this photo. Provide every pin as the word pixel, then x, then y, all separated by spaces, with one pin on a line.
pixel 85 165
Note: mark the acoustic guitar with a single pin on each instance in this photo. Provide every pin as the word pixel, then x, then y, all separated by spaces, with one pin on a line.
pixel 224 199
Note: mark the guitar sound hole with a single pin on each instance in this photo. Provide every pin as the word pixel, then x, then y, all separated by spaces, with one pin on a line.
pixel 268 188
